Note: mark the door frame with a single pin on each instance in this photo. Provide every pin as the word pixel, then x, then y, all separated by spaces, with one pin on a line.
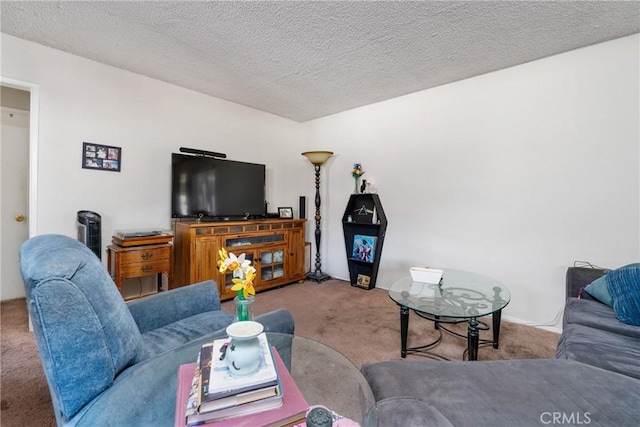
pixel 34 103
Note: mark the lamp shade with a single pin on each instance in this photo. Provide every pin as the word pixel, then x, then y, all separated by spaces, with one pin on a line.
pixel 317 157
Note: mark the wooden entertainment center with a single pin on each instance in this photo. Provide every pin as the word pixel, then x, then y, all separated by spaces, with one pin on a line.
pixel 275 247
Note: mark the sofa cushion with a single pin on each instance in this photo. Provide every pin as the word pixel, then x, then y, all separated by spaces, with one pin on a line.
pixel 624 285
pixel 510 392
pixel 596 315
pixel 191 328
pixel 601 348
pixel 404 411
pixel 186 330
pixel 176 304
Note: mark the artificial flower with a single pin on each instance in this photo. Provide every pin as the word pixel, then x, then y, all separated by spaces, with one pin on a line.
pixel 242 271
pixel 222 265
pixel 245 285
pixel 357 171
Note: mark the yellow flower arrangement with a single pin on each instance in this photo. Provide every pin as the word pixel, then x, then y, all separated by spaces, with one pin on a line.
pixel 242 270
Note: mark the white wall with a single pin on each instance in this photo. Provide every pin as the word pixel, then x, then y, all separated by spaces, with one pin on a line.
pixel 514 174
pixel 82 100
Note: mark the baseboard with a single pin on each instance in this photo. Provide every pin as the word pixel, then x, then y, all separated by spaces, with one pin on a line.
pixel 529 323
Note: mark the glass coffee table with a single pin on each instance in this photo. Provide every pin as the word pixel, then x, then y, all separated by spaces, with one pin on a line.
pixel 327 377
pixel 459 297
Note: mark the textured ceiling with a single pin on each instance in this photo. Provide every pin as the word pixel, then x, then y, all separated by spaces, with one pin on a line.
pixel 303 60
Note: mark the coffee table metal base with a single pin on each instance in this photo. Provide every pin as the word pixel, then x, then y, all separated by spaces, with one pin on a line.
pixel 473 334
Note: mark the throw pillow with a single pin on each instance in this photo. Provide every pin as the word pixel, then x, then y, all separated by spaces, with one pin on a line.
pixel 599 288
pixel 600 291
pixel 624 285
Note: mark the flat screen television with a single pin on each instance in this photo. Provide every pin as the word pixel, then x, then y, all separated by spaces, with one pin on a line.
pixel 216 189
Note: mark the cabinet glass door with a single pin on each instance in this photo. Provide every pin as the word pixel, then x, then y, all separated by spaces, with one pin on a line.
pixel 271 264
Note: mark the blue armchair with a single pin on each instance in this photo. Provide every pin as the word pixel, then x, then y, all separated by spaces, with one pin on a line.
pixel 108 362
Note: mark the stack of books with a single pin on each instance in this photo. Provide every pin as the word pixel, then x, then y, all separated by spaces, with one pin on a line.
pixel 208 394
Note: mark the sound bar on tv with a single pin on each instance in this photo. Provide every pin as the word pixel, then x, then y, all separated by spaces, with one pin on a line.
pixel 202 152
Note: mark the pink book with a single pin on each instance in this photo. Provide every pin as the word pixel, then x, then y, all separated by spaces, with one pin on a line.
pixel 294 406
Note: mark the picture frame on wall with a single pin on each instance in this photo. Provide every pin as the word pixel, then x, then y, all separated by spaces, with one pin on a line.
pixel 101 157
pixel 286 212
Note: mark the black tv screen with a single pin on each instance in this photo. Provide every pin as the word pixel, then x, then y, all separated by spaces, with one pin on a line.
pixel 215 188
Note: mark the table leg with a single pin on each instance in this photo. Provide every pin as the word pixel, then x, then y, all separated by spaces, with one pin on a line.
pixel 473 338
pixel 404 329
pixel 496 327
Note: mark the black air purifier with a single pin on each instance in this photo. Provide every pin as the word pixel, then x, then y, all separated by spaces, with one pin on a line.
pixel 90 231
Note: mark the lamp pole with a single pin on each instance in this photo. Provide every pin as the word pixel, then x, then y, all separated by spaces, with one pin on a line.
pixel 317 158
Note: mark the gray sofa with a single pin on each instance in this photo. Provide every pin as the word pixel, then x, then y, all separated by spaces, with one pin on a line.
pixel 593 381
pixel 592 334
pixel 111 363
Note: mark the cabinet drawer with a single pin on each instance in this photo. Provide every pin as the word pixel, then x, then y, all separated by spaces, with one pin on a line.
pixel 145 255
pixel 145 268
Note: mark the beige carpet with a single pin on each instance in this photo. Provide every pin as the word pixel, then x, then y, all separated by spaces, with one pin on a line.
pixel 362 324
pixel 23 391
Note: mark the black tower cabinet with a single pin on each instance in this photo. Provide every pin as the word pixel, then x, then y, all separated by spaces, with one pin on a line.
pixel 364 224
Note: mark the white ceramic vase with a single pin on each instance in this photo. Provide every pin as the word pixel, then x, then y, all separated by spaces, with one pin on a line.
pixel 243 354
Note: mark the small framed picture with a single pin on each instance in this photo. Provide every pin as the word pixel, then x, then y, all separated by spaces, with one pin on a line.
pixel 285 212
pixel 101 157
pixel 363 280
pixel 364 248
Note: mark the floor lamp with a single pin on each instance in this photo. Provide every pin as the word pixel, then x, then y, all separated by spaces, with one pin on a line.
pixel 317 158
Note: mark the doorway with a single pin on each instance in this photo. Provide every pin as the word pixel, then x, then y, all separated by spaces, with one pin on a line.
pixel 18 185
